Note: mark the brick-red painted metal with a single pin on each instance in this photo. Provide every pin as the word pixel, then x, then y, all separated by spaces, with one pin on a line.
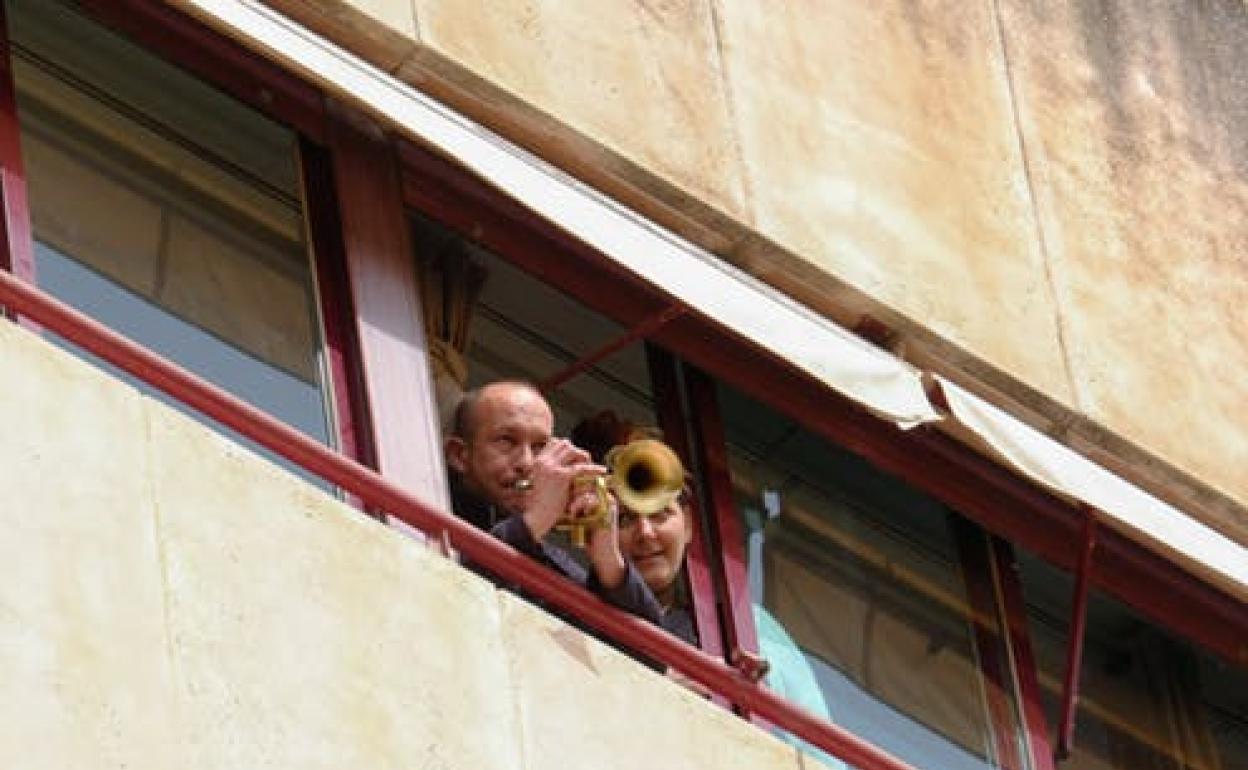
pixel 1005 570
pixel 665 386
pixel 510 565
pixel 639 331
pixel 990 633
pixel 324 229
pixel 726 536
pixel 1074 642
pixel 18 254
pixel 382 283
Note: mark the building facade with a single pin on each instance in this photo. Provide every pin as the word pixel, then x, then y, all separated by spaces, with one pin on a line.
pixel 938 304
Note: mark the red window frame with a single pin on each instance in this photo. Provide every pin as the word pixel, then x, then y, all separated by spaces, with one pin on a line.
pixel 1002 502
pixel 387 320
pixel 700 566
pixel 1004 649
pixel 19 257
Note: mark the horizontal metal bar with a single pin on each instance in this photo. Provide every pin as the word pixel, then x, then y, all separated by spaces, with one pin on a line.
pixel 509 564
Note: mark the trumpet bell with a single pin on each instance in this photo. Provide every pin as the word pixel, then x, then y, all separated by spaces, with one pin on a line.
pixel 646 475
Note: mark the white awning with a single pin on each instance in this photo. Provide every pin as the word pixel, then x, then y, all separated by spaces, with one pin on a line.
pixel 887 386
pixel 1122 505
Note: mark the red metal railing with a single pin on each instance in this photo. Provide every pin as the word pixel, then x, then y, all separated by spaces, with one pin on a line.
pixel 374 490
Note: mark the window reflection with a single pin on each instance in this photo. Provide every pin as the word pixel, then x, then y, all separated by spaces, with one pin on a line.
pixel 858 597
pixel 501 323
pixel 1147 700
pixel 167 211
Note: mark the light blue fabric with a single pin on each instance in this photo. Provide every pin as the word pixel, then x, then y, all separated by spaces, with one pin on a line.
pixel 792 678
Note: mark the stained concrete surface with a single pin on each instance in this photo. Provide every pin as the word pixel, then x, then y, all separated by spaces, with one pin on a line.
pixel 88 680
pixel 577 698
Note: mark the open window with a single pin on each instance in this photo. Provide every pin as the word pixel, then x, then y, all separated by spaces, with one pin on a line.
pixel 1149 699
pixel 170 212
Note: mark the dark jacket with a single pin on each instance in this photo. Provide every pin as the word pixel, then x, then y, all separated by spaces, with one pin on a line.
pixel 679 623
pixel 632 595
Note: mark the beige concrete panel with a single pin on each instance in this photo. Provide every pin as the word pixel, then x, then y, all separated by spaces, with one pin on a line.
pixel 309 636
pixel 380 31
pixel 120 240
pixel 398 15
pixel 1134 119
pixel 879 144
pixel 83 646
pixel 579 698
pixel 642 78
pixel 240 295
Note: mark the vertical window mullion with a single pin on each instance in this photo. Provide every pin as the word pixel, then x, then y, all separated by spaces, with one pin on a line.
pixel 698 567
pixel 990 637
pixel 1037 740
pixel 17 254
pixel 388 319
pixel 726 535
pixel 341 366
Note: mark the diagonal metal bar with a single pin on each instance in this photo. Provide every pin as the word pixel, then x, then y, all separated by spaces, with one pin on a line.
pixel 643 329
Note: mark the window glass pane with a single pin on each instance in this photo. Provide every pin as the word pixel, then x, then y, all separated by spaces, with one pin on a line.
pixel 168 211
pixel 505 324
pixel 1147 699
pixel 859 600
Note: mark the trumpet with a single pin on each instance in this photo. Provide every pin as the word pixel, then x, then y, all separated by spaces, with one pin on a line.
pixel 646 476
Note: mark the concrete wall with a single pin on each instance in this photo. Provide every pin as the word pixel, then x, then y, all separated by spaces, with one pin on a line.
pixel 1047 202
pixel 170 600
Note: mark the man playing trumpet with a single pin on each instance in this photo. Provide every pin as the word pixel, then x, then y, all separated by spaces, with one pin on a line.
pixel 512 478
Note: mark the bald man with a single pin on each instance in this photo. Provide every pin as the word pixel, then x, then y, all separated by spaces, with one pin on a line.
pixel 502 434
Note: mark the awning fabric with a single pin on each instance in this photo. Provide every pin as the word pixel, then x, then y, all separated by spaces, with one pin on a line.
pixel 1121 505
pixel 884 384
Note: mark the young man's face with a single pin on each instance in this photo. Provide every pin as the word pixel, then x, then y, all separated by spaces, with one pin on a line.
pixel 509 426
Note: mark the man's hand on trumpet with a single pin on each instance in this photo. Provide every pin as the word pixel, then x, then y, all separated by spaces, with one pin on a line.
pixel 554 494
pixel 603 543
pixel 554 469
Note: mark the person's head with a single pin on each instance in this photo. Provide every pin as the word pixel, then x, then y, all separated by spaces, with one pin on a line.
pixel 497 431
pixel 655 544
